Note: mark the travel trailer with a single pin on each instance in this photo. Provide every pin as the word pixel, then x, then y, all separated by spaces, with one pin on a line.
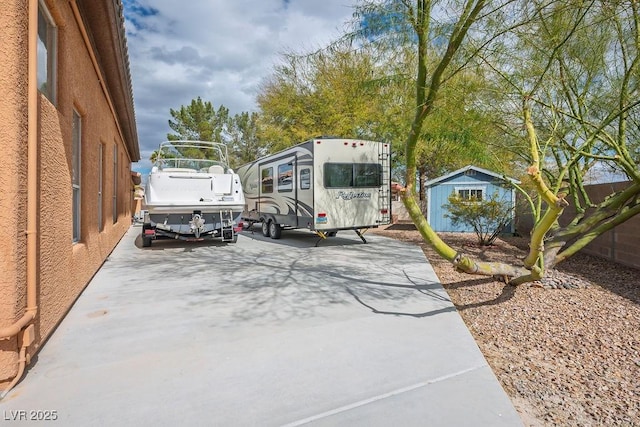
pixel 324 185
pixel 192 194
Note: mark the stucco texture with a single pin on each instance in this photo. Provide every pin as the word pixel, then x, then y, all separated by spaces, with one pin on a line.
pixel 64 268
pixel 13 87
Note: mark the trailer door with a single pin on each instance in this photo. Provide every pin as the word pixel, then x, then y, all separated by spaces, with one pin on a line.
pixel 265 192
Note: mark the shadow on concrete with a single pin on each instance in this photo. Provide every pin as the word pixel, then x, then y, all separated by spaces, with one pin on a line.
pixel 274 280
pixel 305 238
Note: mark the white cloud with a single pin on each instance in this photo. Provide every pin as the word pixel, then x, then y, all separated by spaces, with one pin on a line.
pixel 219 50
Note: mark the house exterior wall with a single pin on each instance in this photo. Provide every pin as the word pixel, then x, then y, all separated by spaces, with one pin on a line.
pixel 64 268
pixel 13 108
pixel 438 196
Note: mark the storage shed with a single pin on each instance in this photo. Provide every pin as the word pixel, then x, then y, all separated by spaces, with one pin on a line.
pixel 468 182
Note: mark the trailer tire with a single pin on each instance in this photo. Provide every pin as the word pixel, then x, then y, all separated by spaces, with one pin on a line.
pixel 146 241
pixel 274 230
pixel 265 228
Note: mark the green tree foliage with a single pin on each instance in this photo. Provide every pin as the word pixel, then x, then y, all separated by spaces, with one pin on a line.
pixel 579 82
pixel 367 92
pixel 245 145
pixel 488 217
pixel 199 121
pixel 327 93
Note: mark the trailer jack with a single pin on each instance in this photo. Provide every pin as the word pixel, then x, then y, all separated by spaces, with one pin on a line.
pixel 361 234
pixel 324 235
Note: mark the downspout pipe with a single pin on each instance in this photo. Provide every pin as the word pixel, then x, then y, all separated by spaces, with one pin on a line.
pixel 32 202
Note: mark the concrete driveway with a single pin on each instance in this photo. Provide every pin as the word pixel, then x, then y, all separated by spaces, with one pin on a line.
pixel 264 333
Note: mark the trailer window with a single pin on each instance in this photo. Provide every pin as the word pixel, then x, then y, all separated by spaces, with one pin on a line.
pixel 338 175
pixel 345 175
pixel 285 177
pixel 305 179
pixel 367 174
pixel 267 180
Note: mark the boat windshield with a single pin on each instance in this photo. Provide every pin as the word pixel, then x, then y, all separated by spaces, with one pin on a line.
pixel 194 155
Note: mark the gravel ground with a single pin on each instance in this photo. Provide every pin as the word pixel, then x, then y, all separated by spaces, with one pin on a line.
pixel 567 357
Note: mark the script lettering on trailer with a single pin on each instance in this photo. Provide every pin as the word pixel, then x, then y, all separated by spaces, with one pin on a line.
pixel 352 195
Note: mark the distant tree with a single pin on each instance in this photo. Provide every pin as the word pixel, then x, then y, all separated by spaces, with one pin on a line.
pixel 199 121
pixel 244 142
pixel 331 92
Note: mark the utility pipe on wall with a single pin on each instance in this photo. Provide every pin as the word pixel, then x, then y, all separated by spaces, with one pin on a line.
pixel 32 201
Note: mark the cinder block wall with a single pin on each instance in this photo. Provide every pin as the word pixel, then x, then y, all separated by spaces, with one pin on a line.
pixel 621 245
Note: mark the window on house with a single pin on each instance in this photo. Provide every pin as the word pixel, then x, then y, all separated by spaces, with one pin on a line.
pixel 100 185
pixel 115 184
pixel 46 53
pixel 124 202
pixel 267 180
pixel 285 177
pixel 76 164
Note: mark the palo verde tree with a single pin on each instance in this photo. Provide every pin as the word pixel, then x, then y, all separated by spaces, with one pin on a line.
pixel 581 130
pixel 579 94
pixel 458 130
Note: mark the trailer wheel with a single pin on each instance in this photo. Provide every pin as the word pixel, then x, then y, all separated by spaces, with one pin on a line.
pixel 265 228
pixel 274 230
pixel 146 241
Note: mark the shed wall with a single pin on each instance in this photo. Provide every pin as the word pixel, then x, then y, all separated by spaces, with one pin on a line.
pixel 438 196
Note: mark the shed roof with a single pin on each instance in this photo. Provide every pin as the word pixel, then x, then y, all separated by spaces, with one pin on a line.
pixel 470 167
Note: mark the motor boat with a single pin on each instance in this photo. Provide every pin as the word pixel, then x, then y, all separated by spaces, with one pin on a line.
pixel 192 194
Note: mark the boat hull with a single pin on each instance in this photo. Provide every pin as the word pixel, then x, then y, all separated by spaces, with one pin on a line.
pixel 192 194
pixel 188 205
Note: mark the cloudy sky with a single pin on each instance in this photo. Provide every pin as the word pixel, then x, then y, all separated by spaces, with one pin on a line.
pixel 219 50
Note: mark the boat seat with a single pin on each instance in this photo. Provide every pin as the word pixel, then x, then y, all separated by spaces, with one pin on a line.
pixel 216 169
